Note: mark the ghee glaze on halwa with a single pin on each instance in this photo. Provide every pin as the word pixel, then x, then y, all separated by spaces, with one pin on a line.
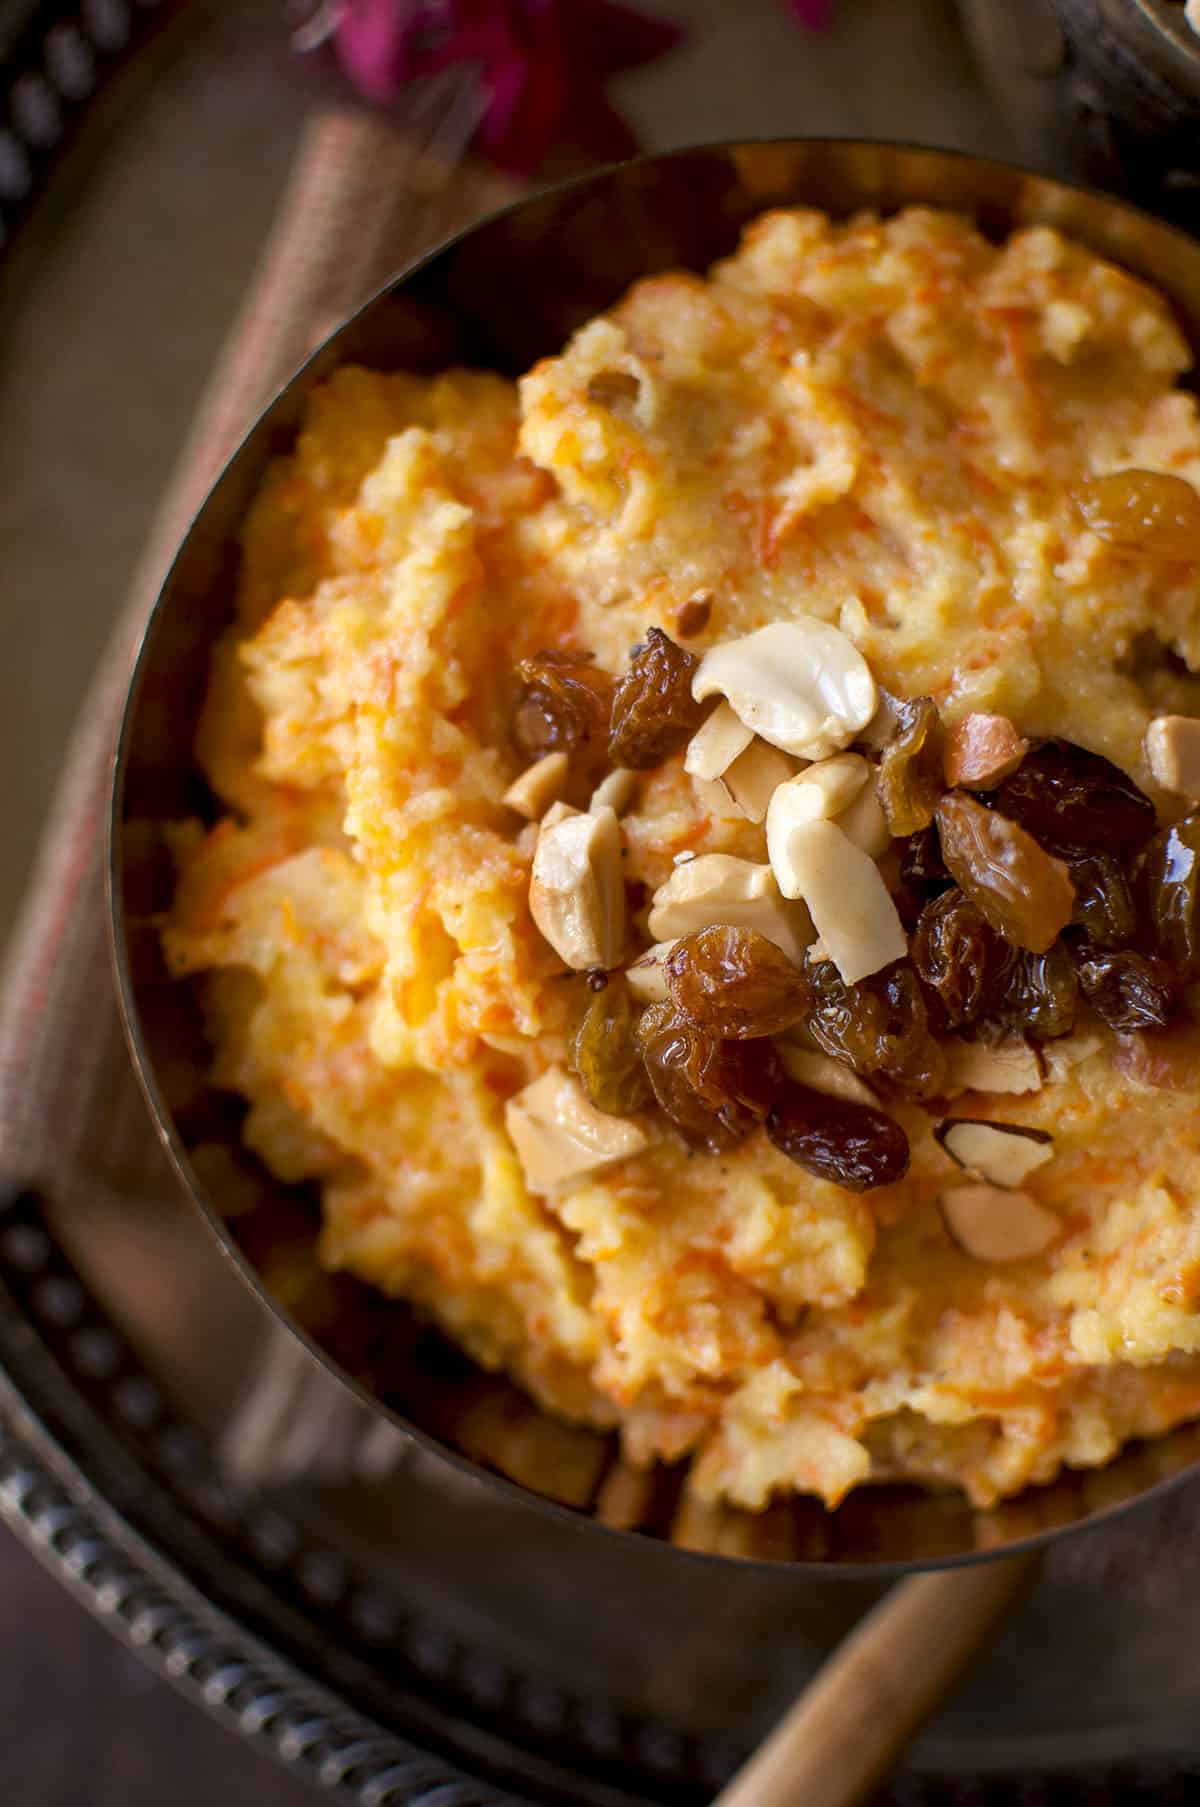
pixel 850 592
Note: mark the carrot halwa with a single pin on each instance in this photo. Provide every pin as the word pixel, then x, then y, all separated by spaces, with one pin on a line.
pixel 887 435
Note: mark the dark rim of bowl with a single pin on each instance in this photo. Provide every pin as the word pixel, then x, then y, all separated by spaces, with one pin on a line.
pixel 164 1124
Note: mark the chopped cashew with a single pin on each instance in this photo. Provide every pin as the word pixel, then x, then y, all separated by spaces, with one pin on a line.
pixel 1173 749
pixel 823 791
pixel 716 888
pixel 801 684
pixel 981 750
pixel 536 789
pixel 1003 1154
pixel 866 824
pixel 754 776
pixel 851 907
pixel 821 1073
pixel 994 1225
pixel 647 977
pixel 577 891
pixel 614 792
pixel 559 1134
pixel 716 744
pixel 1011 1066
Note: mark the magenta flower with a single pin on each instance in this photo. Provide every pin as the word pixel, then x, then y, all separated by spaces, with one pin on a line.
pixel 541 64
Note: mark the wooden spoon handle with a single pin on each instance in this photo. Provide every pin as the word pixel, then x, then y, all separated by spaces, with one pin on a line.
pixel 850 1725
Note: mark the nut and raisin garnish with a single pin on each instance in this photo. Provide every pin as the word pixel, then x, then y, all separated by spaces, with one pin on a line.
pixel 1026 883
pixel 653 711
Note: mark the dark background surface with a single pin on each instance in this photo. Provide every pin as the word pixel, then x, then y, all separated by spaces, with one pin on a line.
pixel 84 1724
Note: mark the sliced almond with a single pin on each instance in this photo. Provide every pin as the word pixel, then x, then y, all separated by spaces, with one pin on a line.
pixel 1004 1154
pixel 992 1224
pixel 559 1135
pixel 866 824
pixel 1173 749
pixel 851 907
pixel 716 743
pixel 716 888
pixel 1010 1067
pixel 981 750
pixel 614 792
pixel 755 775
pixel 823 1074
pixel 536 789
pixel 576 891
pixel 647 977
pixel 801 684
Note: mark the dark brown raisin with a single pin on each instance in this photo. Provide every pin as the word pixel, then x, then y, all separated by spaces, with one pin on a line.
pixel 1151 513
pixel 734 982
pixel 1128 991
pixel 1022 891
pixel 563 705
pixel 879 1025
pixel 909 780
pixel 604 1054
pixel 1104 907
pixel 1041 994
pixel 1169 883
pixel 851 1145
pixel 1070 800
pixel 653 711
pixel 962 961
pixel 693 615
pixel 714 1092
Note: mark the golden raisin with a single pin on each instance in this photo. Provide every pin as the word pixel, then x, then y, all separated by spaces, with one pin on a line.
pixel 1041 994
pixel 604 1054
pixel 1146 512
pixel 563 704
pixel 910 767
pixel 714 1092
pixel 734 982
pixel 962 961
pixel 878 1025
pixel 653 711
pixel 1022 891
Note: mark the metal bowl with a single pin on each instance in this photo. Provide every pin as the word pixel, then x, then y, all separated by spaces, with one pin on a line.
pixel 501 294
